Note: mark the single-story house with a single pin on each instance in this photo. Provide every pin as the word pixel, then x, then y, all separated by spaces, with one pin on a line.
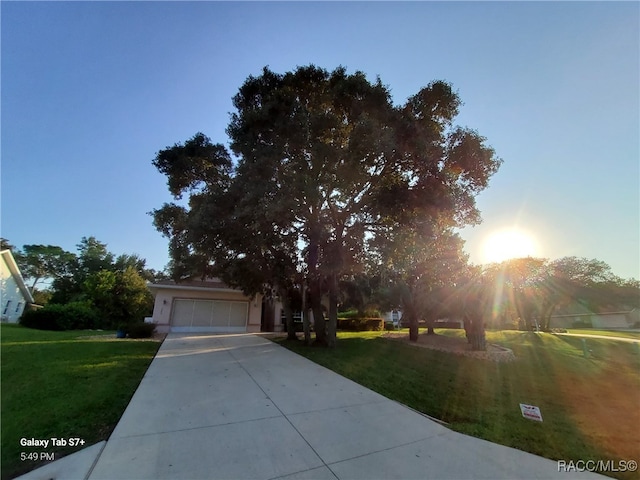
pixel 14 294
pixel 393 316
pixel 608 320
pixel 201 306
pixel 196 306
pixel 204 306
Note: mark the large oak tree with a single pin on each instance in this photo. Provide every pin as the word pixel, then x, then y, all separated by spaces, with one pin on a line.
pixel 325 163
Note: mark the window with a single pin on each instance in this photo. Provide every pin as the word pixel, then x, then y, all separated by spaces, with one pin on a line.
pixel 18 307
pixel 6 307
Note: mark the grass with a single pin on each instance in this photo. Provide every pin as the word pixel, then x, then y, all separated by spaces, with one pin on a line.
pixel 64 384
pixel 606 333
pixel 589 405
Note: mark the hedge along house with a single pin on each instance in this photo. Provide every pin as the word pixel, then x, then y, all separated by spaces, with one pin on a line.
pixel 208 306
pixel 14 294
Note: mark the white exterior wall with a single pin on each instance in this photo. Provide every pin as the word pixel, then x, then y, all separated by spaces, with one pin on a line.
pixel 165 297
pixel 604 321
pixel 12 300
pixel 388 316
pixel 618 320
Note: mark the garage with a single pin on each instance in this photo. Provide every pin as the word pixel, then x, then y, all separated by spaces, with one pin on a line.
pixel 206 306
pixel 191 315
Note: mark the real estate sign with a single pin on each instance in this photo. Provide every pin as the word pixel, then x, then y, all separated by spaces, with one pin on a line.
pixel 531 412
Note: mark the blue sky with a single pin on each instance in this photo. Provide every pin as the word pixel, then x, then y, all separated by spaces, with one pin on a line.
pixel 91 91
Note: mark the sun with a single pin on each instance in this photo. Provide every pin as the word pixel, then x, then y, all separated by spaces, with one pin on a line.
pixel 509 243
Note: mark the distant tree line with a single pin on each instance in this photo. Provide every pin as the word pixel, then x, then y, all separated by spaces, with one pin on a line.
pixel 528 291
pixel 521 293
pixel 112 290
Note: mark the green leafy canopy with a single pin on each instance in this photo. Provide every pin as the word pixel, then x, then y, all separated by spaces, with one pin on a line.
pixel 326 165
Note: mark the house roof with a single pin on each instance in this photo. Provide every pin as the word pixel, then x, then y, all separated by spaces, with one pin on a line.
pixel 601 314
pixel 11 264
pixel 213 284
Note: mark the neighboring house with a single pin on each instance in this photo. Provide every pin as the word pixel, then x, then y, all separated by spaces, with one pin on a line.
pixel 204 306
pixel 394 316
pixel 608 320
pixel 14 294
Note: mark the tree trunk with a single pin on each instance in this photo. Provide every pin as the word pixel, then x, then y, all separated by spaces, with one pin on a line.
pixel 267 320
pixel 315 293
pixel 413 328
pixel 288 315
pixel 412 317
pixel 410 313
pixel 430 330
pixel 305 316
pixel 466 321
pixel 545 323
pixel 319 323
pixel 546 318
pixel 333 310
pixel 474 327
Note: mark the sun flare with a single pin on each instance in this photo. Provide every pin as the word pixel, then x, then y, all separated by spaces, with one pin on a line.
pixel 509 243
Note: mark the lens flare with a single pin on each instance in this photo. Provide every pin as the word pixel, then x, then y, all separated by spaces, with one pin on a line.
pixel 509 243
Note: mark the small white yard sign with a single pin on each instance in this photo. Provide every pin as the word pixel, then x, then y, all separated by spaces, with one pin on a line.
pixel 531 412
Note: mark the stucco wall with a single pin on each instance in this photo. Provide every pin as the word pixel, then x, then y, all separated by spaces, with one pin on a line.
pixel 163 305
pixel 277 316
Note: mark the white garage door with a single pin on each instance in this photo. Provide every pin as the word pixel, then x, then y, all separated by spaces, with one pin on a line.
pixel 221 316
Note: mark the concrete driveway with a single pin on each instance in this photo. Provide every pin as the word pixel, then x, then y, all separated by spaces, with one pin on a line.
pixel 242 407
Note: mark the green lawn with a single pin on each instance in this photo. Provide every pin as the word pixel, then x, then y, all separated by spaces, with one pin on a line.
pixel 606 333
pixel 59 384
pixel 589 405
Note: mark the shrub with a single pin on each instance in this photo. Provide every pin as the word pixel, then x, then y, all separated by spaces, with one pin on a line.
pixel 356 314
pixel 447 324
pixel 360 324
pixel 389 326
pixel 141 330
pixel 582 324
pixel 123 296
pixel 72 316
